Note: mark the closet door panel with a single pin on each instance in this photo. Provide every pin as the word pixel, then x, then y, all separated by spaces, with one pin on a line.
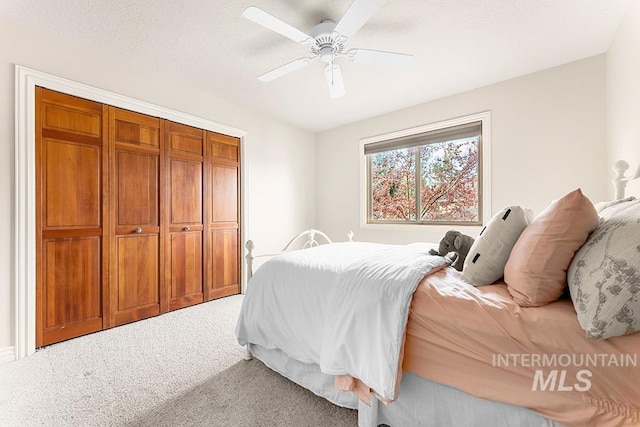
pixel 186 192
pixel 137 277
pixel 135 129
pixel 224 258
pixel 137 182
pixel 65 113
pixel 186 269
pixel 184 139
pixel 72 297
pixel 72 186
pixel 71 156
pixel 223 225
pixel 224 194
pixel 188 143
pixel 184 147
pixel 136 185
pixel 223 148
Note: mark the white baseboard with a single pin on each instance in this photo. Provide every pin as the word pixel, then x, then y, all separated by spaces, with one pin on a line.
pixel 7 355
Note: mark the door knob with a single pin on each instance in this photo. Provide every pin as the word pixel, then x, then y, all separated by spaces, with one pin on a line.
pixel 138 230
pixel 187 228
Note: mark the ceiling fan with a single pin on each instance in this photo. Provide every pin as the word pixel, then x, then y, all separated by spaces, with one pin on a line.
pixel 327 41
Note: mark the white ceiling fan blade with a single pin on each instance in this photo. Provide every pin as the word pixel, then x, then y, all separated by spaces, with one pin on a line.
pixel 272 23
pixel 379 57
pixel 284 69
pixel 355 17
pixel 334 80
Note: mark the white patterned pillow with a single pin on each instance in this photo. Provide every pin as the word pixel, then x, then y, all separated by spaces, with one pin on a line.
pixel 604 275
pixel 489 253
pixel 607 208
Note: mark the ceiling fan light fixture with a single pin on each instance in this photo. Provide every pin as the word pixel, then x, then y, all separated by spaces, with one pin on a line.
pixel 327 54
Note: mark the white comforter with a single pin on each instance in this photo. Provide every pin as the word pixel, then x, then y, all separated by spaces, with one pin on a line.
pixel 343 306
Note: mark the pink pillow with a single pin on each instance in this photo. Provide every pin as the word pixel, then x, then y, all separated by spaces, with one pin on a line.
pixel 536 271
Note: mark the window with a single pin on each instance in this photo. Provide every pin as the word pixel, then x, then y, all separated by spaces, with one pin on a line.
pixel 429 175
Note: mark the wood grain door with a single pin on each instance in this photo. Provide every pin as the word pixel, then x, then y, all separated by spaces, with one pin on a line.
pixel 71 156
pixel 184 215
pixel 222 196
pixel 137 290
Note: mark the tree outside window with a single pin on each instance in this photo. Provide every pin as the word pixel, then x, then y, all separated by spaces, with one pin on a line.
pixel 432 178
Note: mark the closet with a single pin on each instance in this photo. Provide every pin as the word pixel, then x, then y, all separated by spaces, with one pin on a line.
pixel 135 216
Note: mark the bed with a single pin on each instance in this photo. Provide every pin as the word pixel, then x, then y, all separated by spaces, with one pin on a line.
pixel 399 335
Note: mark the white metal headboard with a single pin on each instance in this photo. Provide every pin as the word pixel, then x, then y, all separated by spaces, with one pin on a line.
pixel 309 243
pixel 620 180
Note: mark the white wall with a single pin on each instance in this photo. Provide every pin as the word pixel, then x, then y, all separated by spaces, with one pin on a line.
pixel 279 159
pixel 623 94
pixel 548 138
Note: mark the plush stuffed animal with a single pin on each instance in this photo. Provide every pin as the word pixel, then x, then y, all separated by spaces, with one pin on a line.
pixel 456 242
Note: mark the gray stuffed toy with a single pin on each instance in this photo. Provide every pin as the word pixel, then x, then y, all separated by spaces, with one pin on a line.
pixel 456 242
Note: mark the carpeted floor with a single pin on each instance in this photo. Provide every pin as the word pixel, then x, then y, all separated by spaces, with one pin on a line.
pixel 183 368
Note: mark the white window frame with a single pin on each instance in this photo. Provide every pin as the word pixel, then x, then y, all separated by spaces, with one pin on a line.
pixel 485 118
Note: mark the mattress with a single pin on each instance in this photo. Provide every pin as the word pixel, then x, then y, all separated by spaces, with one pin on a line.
pixel 481 342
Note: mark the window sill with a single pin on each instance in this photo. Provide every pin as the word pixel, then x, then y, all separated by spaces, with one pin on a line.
pixel 472 230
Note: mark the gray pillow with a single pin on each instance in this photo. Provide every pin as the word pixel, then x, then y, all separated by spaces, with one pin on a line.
pixel 489 253
pixel 604 275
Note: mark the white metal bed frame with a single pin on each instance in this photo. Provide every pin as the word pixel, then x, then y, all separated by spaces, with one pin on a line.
pixel 311 241
pixel 620 180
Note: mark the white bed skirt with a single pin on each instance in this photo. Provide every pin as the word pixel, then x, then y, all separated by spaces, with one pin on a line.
pixel 307 375
pixel 420 403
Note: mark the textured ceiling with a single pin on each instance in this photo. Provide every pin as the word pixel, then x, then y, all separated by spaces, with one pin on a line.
pixel 206 44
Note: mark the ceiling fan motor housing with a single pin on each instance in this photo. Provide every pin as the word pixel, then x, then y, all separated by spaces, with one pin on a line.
pixel 326 43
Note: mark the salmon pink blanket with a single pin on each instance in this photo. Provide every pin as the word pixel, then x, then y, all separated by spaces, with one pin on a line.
pixel 481 342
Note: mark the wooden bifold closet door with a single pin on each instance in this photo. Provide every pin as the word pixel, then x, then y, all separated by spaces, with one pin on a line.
pixel 135 216
pixel 184 146
pixel 136 255
pixel 222 164
pixel 71 161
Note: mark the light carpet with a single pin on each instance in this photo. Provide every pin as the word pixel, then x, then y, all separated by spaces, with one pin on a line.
pixel 182 368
